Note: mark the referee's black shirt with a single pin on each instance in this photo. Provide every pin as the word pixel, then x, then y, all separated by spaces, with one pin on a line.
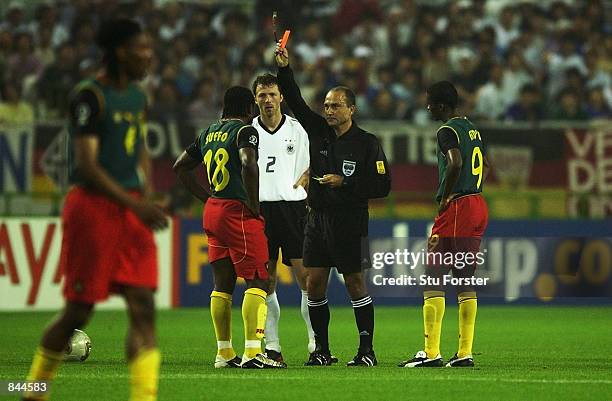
pixel 356 155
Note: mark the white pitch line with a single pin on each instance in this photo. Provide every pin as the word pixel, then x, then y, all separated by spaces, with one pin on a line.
pixel 281 376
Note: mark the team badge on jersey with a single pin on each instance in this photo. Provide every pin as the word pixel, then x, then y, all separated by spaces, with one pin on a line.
pixel 348 167
pixel 290 149
pixel 380 167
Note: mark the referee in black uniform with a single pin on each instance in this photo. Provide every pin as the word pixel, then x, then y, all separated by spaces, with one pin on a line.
pixel 347 167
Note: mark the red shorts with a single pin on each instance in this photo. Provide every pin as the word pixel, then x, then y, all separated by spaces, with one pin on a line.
pixel 104 245
pixel 233 233
pixel 464 220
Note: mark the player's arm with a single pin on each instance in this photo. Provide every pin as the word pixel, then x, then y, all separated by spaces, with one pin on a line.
pixel 375 182
pixel 313 123
pixel 486 167
pixel 84 112
pixel 304 180
pixel 144 163
pixel 184 168
pixel 449 145
pixel 302 159
pixel 248 141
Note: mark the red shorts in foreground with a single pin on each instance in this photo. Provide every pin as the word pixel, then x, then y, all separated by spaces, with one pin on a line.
pixel 104 245
pixel 232 232
pixel 465 219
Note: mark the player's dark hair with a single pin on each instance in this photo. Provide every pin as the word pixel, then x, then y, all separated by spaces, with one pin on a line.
pixel 238 101
pixel 266 79
pixel 348 94
pixel 443 92
pixel 112 34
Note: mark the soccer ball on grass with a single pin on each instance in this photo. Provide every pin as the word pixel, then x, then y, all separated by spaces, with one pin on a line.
pixel 79 347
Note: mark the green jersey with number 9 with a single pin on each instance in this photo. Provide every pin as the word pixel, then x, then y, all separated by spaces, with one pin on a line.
pixel 117 118
pixel 470 179
pixel 218 148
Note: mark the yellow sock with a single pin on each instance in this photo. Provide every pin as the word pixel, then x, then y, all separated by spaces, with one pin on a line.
pixel 433 312
pixel 254 317
pixel 221 312
pixel 144 375
pixel 44 367
pixel 467 319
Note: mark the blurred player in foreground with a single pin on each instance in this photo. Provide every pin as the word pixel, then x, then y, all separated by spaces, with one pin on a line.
pixel 283 177
pixel 237 245
pixel 108 243
pixel 458 227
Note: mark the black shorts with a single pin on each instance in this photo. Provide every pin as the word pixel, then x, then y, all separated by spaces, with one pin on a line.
pixel 337 238
pixel 285 228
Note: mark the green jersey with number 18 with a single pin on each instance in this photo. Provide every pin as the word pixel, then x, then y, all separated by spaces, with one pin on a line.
pixel 472 150
pixel 218 146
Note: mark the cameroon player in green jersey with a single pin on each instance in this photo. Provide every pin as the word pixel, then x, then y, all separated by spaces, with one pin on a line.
pixel 237 244
pixel 458 228
pixel 108 222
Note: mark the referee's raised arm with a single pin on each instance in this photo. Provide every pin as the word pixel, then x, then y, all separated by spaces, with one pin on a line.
pixel 313 123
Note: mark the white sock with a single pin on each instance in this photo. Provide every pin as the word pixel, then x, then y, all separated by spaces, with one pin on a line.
pixel 272 340
pixel 306 317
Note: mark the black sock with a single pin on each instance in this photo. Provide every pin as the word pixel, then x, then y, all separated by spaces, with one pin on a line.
pixel 364 317
pixel 318 309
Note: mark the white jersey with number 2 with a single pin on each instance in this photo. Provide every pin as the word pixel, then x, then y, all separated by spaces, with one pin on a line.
pixel 283 157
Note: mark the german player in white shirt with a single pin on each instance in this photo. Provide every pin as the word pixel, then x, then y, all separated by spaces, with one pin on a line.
pixel 283 180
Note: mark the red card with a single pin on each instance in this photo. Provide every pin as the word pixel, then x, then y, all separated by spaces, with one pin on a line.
pixel 285 39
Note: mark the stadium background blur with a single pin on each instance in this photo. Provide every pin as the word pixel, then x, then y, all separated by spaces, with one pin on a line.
pixel 534 76
pixel 522 68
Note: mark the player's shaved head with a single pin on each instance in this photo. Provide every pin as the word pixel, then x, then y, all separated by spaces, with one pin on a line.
pixel 238 102
pixel 443 92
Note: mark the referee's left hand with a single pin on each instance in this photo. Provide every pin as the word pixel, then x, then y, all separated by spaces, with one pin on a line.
pixel 332 180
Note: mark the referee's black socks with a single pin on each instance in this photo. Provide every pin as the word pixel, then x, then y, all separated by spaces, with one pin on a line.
pixel 364 317
pixel 318 309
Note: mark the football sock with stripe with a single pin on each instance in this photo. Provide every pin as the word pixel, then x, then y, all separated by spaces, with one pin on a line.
pixel 433 313
pixel 272 318
pixel 364 317
pixel 318 309
pixel 306 317
pixel 44 368
pixel 144 375
pixel 467 320
pixel 221 312
pixel 254 318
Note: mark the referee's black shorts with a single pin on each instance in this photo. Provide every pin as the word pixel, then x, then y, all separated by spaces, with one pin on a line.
pixel 337 238
pixel 285 228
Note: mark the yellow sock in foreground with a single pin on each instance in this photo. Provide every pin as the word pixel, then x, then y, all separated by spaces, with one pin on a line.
pixel 433 313
pixel 44 367
pixel 221 312
pixel 254 317
pixel 467 319
pixel 144 375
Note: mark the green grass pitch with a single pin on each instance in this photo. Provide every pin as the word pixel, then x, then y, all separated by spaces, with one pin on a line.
pixel 521 353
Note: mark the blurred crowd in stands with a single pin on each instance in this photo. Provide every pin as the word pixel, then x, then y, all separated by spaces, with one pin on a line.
pixel 510 60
